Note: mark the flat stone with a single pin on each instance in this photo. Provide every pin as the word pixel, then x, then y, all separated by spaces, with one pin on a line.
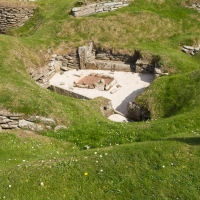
pixel 114 90
pixel 64 68
pixel 8 114
pixel 188 47
pixel 13 123
pixel 45 120
pixel 30 125
pixel 157 71
pixel 59 127
pixel 4 121
pixel 5 126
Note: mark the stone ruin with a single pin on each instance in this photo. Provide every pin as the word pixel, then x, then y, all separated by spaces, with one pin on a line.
pixel 90 57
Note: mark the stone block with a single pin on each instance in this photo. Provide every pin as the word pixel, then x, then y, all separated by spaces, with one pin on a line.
pixel 57 65
pixel 90 65
pixel 30 125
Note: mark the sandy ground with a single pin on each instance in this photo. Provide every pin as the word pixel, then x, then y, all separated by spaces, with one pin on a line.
pixel 131 84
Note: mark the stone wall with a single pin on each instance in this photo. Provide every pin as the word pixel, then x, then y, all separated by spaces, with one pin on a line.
pixel 90 57
pixel 16 121
pixel 98 8
pixel 67 92
pixel 11 16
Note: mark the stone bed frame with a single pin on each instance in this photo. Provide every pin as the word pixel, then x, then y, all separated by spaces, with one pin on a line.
pixel 100 85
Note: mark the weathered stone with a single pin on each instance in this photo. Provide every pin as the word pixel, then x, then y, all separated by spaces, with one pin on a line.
pixel 107 108
pixel 157 71
pixel 90 65
pixel 112 83
pixel 82 51
pixel 64 68
pixel 14 17
pixel 97 8
pixel 30 125
pixel 188 47
pixel 4 121
pixel 91 87
pixel 8 114
pixel 15 118
pixel 14 127
pixel 13 123
pixel 44 120
pixel 57 65
pixel 59 127
pixel 100 86
pixel 134 111
pixel 114 90
pixel 75 9
pixel 59 57
pixel 5 126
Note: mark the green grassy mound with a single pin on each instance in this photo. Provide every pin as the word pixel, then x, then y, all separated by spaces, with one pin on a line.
pixel 163 166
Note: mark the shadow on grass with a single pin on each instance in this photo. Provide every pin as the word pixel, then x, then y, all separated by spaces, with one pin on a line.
pixel 187 140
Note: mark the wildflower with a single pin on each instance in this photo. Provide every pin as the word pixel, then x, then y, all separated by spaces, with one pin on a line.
pixel 100 156
pixel 42 184
pixel 95 152
pixel 10 186
pixel 86 173
pixel 106 154
pixel 101 170
pixel 163 166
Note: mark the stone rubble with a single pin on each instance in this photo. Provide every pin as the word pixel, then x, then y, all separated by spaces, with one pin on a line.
pixel 95 8
pixel 191 50
pixel 19 121
pixel 195 6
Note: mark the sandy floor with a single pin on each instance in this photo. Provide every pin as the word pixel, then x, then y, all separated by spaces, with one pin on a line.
pixel 132 84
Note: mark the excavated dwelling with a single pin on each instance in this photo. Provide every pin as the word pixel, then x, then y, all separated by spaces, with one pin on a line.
pixel 90 72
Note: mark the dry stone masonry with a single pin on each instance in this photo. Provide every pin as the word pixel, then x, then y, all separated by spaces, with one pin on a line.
pixel 19 121
pixel 89 57
pixel 98 8
pixel 14 16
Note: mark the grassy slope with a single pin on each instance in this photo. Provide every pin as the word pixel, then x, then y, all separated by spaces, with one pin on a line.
pixel 34 167
pixel 153 28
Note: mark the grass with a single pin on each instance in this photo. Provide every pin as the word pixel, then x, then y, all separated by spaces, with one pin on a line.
pixel 52 170
pixel 156 159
